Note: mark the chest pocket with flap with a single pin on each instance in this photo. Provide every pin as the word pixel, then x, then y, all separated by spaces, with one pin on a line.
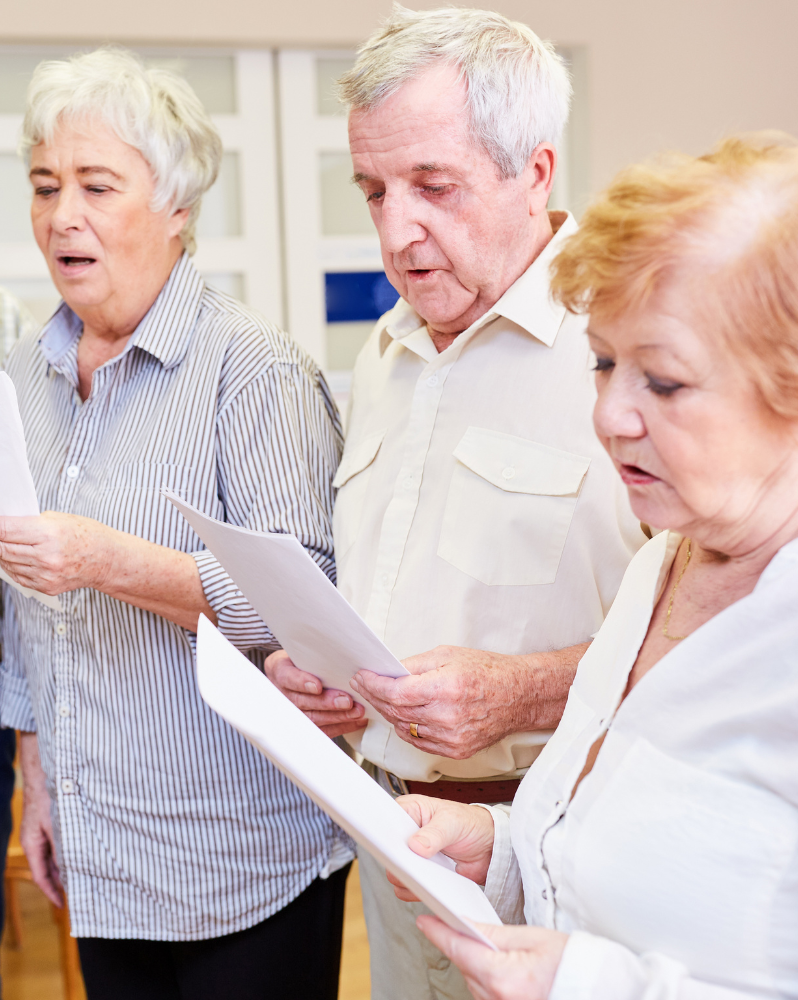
pixel 509 508
pixel 351 480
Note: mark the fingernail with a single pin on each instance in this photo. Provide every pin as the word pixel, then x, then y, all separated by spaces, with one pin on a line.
pixel 342 702
pixel 353 684
pixel 310 687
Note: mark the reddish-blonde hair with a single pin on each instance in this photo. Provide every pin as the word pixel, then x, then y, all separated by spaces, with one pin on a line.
pixel 729 219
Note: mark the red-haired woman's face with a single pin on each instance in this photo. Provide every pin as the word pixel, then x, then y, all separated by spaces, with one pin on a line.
pixel 699 451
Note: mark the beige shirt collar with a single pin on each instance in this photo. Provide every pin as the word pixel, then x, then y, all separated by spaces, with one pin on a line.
pixel 527 303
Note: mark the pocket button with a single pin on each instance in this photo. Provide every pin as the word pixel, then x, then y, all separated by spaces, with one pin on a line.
pixel 508 473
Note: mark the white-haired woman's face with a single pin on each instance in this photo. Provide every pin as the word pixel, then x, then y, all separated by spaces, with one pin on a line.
pixel 93 222
pixel 697 448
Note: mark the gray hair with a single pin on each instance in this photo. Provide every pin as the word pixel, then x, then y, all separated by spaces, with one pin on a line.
pixel 519 91
pixel 153 110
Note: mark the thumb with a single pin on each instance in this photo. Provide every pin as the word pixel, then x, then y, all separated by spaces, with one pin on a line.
pixel 441 832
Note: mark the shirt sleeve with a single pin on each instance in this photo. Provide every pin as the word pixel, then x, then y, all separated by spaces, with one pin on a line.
pixel 503 886
pixel 278 446
pixel 595 968
pixel 16 709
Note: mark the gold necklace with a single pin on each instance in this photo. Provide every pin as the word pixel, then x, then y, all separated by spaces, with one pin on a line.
pixel 676 638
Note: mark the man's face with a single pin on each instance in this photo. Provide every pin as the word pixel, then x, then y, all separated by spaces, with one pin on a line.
pixel 454 235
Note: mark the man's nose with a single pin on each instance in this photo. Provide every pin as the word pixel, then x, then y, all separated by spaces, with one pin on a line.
pixel 399 225
pixel 617 411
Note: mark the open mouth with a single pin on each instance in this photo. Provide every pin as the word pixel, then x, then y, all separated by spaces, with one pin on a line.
pixel 69 261
pixel 633 475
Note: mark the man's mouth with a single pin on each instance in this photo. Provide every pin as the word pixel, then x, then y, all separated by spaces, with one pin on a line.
pixel 633 475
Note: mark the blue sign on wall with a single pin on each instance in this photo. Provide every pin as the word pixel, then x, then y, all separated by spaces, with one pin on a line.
pixel 352 296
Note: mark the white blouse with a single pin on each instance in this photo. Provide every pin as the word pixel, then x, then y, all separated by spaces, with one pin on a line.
pixel 675 867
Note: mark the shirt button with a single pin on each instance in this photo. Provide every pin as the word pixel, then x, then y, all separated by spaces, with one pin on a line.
pixel 63 710
pixel 60 629
pixel 408 483
pixel 73 472
pixel 544 894
pixel 432 380
pixel 508 473
pixel 67 786
pixel 385 579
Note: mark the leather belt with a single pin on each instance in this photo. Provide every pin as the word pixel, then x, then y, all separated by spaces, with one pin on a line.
pixel 490 792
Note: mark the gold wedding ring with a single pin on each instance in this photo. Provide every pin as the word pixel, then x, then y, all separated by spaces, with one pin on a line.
pixel 414 730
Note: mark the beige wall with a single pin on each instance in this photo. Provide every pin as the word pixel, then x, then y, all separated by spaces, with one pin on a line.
pixel 662 73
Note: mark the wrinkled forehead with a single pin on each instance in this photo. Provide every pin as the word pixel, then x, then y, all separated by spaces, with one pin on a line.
pixel 429 111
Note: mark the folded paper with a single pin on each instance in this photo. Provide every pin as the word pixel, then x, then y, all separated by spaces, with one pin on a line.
pixel 17 492
pixel 245 698
pixel 312 621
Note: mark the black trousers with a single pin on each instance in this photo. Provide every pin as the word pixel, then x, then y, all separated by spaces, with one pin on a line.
pixel 294 955
pixel 8 748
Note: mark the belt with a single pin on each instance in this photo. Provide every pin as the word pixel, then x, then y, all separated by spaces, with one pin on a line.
pixel 488 791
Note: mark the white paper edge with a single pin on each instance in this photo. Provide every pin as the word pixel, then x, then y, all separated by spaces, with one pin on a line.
pixel 46 599
pixel 451 919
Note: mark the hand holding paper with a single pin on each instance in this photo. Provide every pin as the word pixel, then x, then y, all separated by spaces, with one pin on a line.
pixel 240 693
pixel 17 492
pixel 312 621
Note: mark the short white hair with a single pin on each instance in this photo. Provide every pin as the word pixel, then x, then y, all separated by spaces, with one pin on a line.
pixel 518 87
pixel 153 110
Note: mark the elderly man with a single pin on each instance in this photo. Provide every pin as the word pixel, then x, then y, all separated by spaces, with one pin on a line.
pixel 476 508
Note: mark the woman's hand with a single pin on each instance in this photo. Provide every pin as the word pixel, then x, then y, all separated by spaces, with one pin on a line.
pixel 36 829
pixel 464 834
pixel 523 969
pixel 54 553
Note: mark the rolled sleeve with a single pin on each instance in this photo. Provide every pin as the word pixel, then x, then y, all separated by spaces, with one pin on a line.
pixel 503 887
pixel 595 968
pixel 278 445
pixel 236 619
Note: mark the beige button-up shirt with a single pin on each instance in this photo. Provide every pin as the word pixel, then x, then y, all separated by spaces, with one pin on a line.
pixel 476 506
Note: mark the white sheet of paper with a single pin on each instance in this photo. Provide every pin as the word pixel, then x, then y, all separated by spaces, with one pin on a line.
pixel 17 492
pixel 245 698
pixel 313 622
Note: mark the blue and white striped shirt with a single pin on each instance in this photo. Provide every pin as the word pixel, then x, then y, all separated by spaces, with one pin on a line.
pixel 170 826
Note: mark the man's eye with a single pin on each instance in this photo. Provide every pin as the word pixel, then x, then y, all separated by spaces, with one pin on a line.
pixel 603 364
pixel 437 188
pixel 97 189
pixel 44 191
pixel 660 388
pixel 375 196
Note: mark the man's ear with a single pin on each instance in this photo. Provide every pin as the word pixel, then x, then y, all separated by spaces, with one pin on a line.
pixel 177 221
pixel 539 176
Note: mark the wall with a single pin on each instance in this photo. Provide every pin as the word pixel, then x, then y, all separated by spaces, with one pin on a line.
pixel 679 73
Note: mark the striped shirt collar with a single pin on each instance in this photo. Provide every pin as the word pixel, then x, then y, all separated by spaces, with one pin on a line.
pixel 527 302
pixel 164 332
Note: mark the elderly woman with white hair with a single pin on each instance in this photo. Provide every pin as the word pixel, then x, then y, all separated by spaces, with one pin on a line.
pixel 192 868
pixel 653 846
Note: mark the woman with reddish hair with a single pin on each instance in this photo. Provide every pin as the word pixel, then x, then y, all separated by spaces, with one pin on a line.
pixel 652 850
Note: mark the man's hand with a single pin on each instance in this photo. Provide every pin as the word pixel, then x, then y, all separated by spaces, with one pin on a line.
pixel 523 969
pixel 334 712
pixel 36 830
pixel 464 700
pixel 464 834
pixel 54 552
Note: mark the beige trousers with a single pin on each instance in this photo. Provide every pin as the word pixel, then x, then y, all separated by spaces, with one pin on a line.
pixel 404 964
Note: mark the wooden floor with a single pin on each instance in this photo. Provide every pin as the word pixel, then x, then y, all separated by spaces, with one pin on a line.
pixel 33 973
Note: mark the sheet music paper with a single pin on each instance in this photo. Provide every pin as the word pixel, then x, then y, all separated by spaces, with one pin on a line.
pixel 17 492
pixel 313 622
pixel 244 697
